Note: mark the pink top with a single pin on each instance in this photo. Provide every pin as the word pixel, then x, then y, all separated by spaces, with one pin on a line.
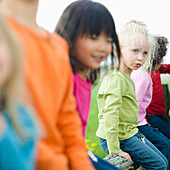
pixel 82 93
pixel 143 89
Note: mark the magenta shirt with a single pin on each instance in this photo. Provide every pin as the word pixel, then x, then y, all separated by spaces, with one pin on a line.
pixel 143 90
pixel 82 93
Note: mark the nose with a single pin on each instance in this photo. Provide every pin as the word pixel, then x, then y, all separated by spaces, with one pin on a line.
pixel 140 57
pixel 102 45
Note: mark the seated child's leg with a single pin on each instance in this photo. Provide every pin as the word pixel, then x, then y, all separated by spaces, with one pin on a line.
pixel 101 164
pixel 103 144
pixel 165 117
pixel 161 124
pixel 157 139
pixel 144 152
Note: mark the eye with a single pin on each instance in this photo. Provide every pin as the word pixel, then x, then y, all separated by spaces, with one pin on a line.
pixel 109 40
pixel 135 51
pixel 145 53
pixel 93 37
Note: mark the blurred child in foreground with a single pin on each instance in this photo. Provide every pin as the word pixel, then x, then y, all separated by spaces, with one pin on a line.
pixel 48 75
pixel 18 126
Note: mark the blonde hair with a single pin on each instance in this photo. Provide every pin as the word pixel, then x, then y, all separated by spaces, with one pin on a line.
pixel 12 89
pixel 128 34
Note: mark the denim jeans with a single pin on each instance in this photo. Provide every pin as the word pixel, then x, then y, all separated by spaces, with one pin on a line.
pixel 145 154
pixel 157 139
pixel 101 164
pixel 160 122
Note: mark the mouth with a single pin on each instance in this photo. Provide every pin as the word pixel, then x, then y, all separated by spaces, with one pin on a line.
pixel 137 65
pixel 98 58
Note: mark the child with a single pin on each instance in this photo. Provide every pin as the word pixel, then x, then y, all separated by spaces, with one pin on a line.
pixel 18 130
pixel 90 44
pixel 156 111
pixel 118 106
pixel 90 31
pixel 48 76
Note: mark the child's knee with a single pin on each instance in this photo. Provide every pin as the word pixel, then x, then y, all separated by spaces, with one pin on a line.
pixel 162 164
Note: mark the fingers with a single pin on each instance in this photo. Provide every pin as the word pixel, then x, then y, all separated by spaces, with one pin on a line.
pixel 125 155
pixel 128 157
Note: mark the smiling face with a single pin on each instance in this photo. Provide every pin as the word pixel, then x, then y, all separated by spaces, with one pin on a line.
pixel 90 51
pixel 135 53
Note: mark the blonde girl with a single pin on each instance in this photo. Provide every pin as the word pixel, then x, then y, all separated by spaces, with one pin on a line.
pixel 18 131
pixel 117 103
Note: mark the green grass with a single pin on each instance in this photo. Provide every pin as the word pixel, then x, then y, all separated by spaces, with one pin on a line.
pixel 91 139
pixel 166 82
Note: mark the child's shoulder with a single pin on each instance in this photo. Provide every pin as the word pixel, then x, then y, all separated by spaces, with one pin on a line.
pixel 112 80
pixel 114 73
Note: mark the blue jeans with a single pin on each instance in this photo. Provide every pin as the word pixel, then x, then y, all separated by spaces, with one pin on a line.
pixel 157 139
pixel 101 164
pixel 160 122
pixel 144 154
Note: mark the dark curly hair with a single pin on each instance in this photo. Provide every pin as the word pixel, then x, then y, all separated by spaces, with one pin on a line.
pixel 161 49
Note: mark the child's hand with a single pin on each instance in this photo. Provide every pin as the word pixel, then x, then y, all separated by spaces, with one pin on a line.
pixel 124 155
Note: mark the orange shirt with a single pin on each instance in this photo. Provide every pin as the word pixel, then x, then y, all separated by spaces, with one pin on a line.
pixel 49 80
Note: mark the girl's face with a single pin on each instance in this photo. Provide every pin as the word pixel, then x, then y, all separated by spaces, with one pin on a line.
pixel 5 63
pixel 135 54
pixel 92 50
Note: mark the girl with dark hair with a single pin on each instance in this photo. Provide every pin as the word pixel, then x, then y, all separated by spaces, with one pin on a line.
pixel 156 111
pixel 88 20
pixel 90 32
